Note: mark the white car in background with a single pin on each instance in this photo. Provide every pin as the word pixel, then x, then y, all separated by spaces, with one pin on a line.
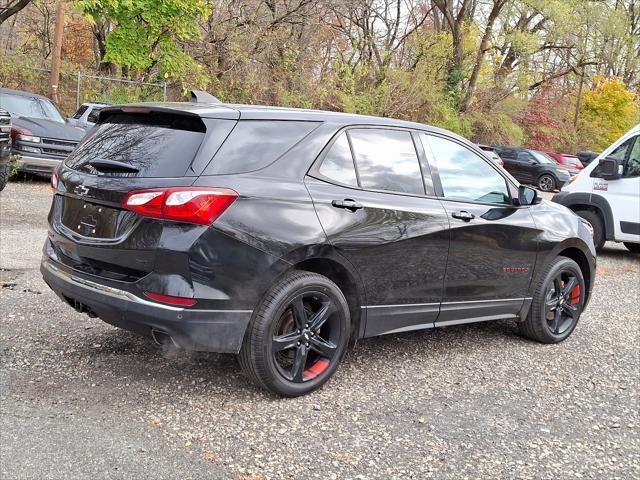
pixel 87 115
pixel 607 193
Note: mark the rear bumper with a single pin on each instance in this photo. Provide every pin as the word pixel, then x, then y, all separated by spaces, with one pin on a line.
pixel 202 330
pixel 29 164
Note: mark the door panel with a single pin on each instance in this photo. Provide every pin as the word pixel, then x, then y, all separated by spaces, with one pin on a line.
pixel 398 243
pixel 493 243
pixel 490 262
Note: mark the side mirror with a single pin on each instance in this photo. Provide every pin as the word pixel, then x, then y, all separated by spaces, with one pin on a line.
pixel 527 196
pixel 608 168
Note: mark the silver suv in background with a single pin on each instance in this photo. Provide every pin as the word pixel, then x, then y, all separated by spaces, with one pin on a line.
pixel 87 115
pixel 41 137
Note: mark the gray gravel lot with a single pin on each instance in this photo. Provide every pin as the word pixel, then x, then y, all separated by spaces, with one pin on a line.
pixel 81 399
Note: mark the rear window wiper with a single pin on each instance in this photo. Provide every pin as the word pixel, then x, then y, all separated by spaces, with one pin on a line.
pixel 112 166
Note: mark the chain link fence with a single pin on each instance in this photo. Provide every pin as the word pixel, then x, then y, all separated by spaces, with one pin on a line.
pixel 76 88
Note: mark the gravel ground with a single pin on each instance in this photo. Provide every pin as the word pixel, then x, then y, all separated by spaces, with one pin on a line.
pixel 81 399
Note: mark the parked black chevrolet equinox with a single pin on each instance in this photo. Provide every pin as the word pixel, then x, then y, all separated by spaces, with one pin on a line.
pixel 284 235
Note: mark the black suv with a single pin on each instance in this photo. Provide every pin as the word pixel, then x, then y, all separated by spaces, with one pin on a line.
pixel 534 167
pixel 285 235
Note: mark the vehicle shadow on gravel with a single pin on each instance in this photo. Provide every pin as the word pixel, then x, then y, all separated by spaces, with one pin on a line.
pixel 118 355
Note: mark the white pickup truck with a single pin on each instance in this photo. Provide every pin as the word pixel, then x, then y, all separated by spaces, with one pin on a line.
pixel 607 193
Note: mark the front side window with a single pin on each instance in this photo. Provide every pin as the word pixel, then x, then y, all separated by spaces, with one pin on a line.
pixel 620 153
pixel 543 157
pixel 338 164
pixel 464 175
pixel 387 160
pixel 632 167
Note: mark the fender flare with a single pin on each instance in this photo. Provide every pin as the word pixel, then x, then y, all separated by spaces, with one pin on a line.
pixel 572 200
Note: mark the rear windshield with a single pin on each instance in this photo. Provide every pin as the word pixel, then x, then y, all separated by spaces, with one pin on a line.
pixel 254 144
pixel 157 144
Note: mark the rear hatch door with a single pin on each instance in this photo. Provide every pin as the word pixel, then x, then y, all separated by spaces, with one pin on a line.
pixel 131 148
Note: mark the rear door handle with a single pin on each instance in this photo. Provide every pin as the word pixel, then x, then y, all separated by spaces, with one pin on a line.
pixel 347 204
pixel 463 215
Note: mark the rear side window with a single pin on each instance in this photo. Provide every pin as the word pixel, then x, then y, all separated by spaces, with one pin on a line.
pixel 93 115
pixel 158 145
pixel 338 163
pixel 387 160
pixel 254 144
pixel 80 112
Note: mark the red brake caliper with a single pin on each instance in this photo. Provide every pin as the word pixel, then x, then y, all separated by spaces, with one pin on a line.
pixel 575 295
pixel 317 369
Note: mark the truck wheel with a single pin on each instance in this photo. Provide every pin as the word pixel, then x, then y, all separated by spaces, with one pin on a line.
pixel 598 228
pixel 632 247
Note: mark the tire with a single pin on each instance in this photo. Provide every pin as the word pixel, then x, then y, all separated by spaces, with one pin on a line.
pixel 299 298
pixel 4 176
pixel 547 183
pixel 598 227
pixel 550 321
pixel 632 247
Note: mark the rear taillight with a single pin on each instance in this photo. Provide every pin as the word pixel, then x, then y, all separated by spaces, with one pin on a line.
pixel 182 204
pixel 55 178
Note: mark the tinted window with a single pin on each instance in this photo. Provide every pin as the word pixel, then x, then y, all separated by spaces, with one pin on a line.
pixel 254 144
pixel 159 145
pixel 338 164
pixel 80 112
pixel 93 115
pixel 524 157
pixel 620 153
pixel 464 174
pixel 543 157
pixel 632 167
pixel 387 160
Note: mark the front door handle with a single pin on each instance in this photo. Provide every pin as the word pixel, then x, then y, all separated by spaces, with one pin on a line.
pixel 463 215
pixel 347 204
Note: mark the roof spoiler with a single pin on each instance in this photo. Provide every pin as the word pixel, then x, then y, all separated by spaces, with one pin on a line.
pixel 200 96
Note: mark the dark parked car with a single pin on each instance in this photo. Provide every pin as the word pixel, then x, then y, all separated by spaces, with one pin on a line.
pixel 534 167
pixel 5 148
pixel 284 235
pixel 41 137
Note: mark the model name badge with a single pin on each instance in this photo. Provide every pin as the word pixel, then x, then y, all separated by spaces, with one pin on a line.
pixel 515 269
pixel 600 185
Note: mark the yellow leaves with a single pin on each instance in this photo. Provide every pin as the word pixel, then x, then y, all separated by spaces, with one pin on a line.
pixel 608 110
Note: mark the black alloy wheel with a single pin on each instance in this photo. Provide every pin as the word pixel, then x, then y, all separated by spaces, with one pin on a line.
pixel 306 337
pixel 557 302
pixel 562 302
pixel 546 183
pixel 298 335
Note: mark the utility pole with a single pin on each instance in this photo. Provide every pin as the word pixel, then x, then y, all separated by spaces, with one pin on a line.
pixel 55 54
